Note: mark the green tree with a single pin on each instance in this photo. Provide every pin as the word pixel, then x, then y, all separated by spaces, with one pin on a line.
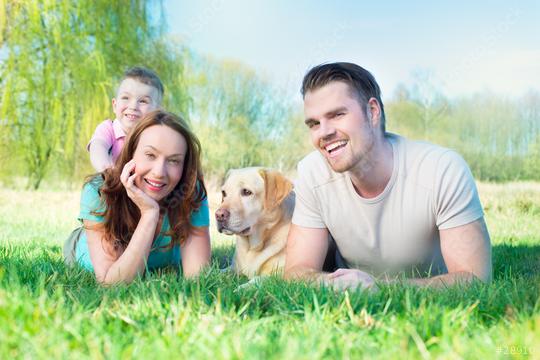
pixel 240 117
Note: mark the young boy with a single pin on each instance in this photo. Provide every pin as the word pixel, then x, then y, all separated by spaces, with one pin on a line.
pixel 140 92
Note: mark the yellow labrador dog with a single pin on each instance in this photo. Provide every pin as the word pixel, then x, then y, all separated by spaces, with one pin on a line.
pixel 257 206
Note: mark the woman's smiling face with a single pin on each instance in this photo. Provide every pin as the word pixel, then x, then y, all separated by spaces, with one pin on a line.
pixel 159 160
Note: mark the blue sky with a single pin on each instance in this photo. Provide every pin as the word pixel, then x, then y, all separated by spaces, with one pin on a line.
pixel 462 47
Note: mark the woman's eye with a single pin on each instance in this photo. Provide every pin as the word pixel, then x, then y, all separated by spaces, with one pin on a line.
pixel 144 101
pixel 246 192
pixel 150 155
pixel 174 161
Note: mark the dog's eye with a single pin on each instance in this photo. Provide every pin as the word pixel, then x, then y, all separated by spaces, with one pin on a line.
pixel 223 193
pixel 246 192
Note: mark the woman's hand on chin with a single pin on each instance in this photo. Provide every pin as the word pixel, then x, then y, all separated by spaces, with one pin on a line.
pixel 144 202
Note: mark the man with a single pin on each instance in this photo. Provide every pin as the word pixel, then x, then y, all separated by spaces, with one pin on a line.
pixel 392 205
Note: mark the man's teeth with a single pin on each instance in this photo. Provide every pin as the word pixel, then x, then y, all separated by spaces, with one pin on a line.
pixel 334 146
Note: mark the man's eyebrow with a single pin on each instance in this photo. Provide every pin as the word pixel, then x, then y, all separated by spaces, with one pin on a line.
pixel 156 150
pixel 328 114
pixel 335 111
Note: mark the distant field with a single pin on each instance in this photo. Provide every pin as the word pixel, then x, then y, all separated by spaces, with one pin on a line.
pixel 49 311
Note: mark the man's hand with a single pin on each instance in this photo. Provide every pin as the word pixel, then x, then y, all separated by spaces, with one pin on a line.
pixel 349 279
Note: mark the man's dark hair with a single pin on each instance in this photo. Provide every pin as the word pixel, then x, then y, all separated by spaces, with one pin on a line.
pixel 360 81
pixel 145 76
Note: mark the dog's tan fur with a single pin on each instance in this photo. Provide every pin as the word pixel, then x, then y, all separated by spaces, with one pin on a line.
pixel 263 201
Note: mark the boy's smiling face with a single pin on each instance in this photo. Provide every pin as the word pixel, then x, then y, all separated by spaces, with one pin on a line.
pixel 134 100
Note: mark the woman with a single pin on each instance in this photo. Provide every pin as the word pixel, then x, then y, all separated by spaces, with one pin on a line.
pixel 148 211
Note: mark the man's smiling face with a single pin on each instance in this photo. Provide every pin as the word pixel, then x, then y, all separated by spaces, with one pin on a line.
pixel 338 125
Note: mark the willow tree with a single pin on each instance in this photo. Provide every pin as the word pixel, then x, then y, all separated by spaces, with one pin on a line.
pixel 59 64
pixel 238 115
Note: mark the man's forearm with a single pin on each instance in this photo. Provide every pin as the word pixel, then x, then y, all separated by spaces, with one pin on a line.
pixel 304 273
pixel 439 281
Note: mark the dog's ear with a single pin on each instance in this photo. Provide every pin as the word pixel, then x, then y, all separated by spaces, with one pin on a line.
pixel 276 187
pixel 226 176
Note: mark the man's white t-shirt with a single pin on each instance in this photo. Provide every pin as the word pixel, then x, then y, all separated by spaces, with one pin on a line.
pixel 431 189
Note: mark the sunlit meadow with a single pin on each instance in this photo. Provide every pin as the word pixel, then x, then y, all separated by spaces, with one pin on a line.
pixel 50 311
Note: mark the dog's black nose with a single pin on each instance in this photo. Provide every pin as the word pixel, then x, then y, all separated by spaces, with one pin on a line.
pixel 222 215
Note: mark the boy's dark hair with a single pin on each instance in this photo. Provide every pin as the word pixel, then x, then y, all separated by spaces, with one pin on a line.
pixel 145 76
pixel 360 81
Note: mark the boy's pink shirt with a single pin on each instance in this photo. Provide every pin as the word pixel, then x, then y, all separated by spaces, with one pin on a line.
pixel 112 134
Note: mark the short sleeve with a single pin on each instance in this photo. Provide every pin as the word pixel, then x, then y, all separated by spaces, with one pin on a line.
pixel 457 200
pixel 201 217
pixel 91 202
pixel 103 132
pixel 306 210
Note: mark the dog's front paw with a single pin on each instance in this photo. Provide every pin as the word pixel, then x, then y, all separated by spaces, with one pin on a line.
pixel 256 281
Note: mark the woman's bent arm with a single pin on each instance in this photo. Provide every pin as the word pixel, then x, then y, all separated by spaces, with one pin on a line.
pixel 132 262
pixel 195 251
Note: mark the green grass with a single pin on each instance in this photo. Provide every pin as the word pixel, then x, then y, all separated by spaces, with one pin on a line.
pixel 50 311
